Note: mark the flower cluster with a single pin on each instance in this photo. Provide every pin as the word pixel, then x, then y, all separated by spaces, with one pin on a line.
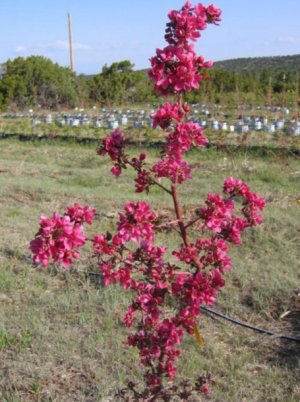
pixel 166 298
pixel 79 214
pixel 142 181
pixel 179 141
pixel 211 253
pixel 218 215
pixel 172 168
pixel 165 114
pixel 113 146
pixel 136 223
pixel 185 24
pixel 252 203
pixel 158 344
pixel 158 337
pixel 183 137
pixel 60 237
pixel 176 68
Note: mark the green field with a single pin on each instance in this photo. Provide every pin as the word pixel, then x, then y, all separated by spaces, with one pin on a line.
pixel 61 333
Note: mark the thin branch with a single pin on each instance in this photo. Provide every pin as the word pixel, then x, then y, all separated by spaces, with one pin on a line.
pixel 161 186
pixel 170 223
pixel 153 181
pixel 191 223
pixel 183 232
pixel 178 212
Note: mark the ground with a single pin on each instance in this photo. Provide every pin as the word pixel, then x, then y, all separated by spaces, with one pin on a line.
pixel 61 332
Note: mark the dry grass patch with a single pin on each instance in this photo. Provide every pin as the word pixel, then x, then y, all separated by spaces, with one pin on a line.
pixel 61 333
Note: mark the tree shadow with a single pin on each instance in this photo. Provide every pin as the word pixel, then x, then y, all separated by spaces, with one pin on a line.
pixel 287 351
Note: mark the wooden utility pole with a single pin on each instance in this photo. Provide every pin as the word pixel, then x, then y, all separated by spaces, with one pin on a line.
pixel 70 42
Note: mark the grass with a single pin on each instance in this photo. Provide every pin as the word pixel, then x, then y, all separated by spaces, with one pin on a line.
pixel 61 334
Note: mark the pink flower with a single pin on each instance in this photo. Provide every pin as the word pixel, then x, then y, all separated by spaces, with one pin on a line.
pixel 59 238
pixel 213 14
pixel 235 187
pixel 116 170
pixel 217 213
pixel 253 203
pixel 101 245
pixel 112 145
pixel 171 371
pixel 185 24
pixel 81 214
pixel 137 163
pixel 204 389
pixel 176 69
pixel 129 316
pixel 183 137
pixel 40 248
pixel 109 276
pixel 142 181
pixel 186 254
pixel 164 115
pixel 137 223
pixel 173 168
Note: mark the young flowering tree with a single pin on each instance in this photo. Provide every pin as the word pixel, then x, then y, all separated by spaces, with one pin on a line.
pixel 167 297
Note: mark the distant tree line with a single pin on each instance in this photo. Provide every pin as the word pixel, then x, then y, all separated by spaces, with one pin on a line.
pixel 276 63
pixel 265 86
pixel 36 81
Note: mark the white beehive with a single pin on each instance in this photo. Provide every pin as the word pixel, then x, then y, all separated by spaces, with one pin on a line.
pixel 245 128
pixel 123 120
pixel 113 124
pixel 48 119
pixel 215 125
pixel 224 126
pixel 257 125
pixel 280 124
pixel 74 122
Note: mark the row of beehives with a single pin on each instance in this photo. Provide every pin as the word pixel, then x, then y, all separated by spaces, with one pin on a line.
pixel 246 125
pixel 197 109
pixel 105 119
pixel 114 118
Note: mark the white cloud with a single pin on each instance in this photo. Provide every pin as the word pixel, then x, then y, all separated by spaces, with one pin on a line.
pixel 20 49
pixel 288 39
pixel 111 45
pixel 81 46
pixel 63 45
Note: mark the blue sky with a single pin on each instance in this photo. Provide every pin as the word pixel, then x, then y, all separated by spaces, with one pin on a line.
pixel 115 30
